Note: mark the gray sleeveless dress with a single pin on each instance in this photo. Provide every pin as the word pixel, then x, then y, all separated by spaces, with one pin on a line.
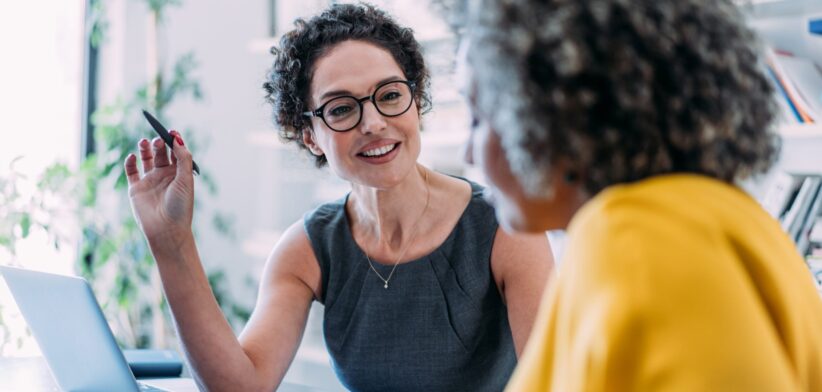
pixel 440 326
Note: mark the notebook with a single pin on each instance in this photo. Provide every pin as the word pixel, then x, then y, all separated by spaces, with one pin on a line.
pixel 74 337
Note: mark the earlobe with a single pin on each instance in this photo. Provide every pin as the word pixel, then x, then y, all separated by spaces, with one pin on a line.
pixel 308 140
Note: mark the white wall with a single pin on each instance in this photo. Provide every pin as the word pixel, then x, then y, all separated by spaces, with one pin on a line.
pixel 218 33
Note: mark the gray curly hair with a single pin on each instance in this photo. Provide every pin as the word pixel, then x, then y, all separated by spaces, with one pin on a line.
pixel 621 90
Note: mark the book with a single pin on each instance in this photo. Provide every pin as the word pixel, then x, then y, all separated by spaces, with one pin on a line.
pixel 815 236
pixel 777 60
pixel 777 195
pixel 807 81
pixel 815 265
pixel 803 238
pixel 788 113
pixel 795 216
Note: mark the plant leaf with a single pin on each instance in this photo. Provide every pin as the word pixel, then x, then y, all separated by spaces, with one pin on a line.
pixel 25 225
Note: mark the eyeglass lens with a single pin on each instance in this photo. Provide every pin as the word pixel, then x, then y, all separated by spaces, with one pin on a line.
pixel 344 113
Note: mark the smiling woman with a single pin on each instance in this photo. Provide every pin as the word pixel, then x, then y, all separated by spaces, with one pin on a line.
pixel 416 277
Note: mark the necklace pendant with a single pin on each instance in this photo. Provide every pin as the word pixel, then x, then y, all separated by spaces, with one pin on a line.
pixel 386 285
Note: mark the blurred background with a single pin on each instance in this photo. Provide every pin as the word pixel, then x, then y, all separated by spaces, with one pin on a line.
pixel 78 76
pixel 74 78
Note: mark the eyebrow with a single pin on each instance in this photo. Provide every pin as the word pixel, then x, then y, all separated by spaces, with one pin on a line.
pixel 335 93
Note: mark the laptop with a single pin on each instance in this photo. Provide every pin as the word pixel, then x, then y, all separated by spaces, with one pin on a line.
pixel 73 335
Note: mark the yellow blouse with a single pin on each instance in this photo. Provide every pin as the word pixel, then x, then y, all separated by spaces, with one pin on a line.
pixel 676 283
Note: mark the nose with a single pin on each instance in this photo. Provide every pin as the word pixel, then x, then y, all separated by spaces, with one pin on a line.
pixel 372 120
pixel 468 149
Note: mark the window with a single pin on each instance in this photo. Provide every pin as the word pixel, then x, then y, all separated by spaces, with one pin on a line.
pixel 41 101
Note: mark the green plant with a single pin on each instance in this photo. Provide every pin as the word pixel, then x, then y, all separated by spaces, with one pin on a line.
pixel 28 207
pixel 113 254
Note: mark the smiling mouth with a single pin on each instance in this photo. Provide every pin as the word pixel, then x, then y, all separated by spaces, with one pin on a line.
pixel 379 151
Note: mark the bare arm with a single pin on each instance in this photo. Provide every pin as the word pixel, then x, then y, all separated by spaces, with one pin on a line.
pixel 162 201
pixel 291 280
pixel 521 264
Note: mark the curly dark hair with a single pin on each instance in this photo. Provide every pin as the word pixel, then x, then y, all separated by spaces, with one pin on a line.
pixel 289 80
pixel 622 90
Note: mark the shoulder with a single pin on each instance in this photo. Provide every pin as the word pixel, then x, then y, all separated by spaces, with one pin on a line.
pixel 521 259
pixel 475 208
pixel 657 240
pixel 325 213
pixel 667 218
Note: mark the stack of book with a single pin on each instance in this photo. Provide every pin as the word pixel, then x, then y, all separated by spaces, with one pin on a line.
pixel 797 202
pixel 798 82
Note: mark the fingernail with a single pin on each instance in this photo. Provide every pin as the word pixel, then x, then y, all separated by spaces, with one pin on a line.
pixel 177 137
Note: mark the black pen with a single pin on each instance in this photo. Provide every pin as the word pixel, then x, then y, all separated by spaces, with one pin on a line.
pixel 161 130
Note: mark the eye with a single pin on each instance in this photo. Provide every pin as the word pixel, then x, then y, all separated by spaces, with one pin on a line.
pixel 339 111
pixel 390 96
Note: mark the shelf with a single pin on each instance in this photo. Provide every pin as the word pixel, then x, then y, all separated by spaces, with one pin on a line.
pixel 801 149
pixel 778 8
pixel 801 131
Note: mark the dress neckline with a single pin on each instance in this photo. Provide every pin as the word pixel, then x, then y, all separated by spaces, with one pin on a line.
pixel 475 192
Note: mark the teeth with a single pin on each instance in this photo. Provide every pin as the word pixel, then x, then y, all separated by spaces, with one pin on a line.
pixel 379 151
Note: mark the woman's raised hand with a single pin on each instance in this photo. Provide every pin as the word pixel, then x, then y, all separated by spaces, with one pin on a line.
pixel 162 199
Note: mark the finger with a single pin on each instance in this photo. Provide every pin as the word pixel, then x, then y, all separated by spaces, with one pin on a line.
pixel 132 175
pixel 182 156
pixel 173 156
pixel 160 153
pixel 145 155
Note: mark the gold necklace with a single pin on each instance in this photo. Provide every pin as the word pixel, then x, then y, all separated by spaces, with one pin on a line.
pixel 410 241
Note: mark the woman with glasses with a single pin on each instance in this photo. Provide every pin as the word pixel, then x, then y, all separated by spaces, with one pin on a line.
pixel 422 290
pixel 630 124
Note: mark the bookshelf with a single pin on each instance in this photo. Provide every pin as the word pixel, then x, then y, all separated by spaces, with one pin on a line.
pixel 783 24
pixel 794 183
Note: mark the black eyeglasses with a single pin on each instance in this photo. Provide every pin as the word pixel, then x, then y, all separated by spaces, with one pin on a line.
pixel 344 113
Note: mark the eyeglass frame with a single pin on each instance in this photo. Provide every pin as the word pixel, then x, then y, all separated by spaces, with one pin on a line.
pixel 373 98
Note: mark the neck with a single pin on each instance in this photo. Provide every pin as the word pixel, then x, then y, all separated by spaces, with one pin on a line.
pixel 390 216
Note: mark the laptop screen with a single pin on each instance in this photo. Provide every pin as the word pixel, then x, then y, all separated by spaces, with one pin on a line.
pixel 70 328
